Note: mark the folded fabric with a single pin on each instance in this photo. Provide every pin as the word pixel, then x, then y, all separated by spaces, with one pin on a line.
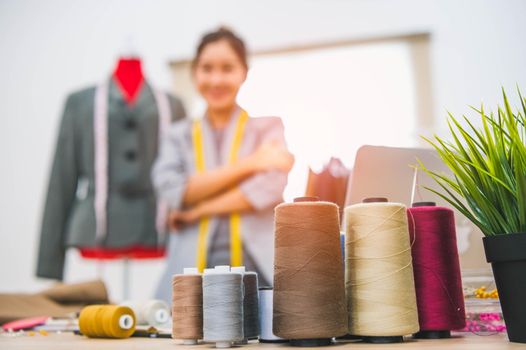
pixel 92 292
pixel 62 300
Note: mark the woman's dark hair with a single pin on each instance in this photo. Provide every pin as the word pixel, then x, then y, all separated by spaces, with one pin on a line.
pixel 230 37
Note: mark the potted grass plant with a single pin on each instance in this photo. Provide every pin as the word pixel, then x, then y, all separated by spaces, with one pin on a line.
pixel 488 186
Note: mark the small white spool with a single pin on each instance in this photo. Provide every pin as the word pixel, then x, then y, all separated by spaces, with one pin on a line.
pixel 126 321
pixel 162 316
pixel 150 313
pixel 266 296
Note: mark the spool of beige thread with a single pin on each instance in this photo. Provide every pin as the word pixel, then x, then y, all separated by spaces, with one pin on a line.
pixel 154 313
pixel 379 273
pixel 309 291
pixel 187 306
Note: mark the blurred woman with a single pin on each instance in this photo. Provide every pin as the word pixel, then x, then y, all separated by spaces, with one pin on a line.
pixel 221 175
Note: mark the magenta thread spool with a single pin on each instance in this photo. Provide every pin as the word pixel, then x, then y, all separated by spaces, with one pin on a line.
pixel 436 270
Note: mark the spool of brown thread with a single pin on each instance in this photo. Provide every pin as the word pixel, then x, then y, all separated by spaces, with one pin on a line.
pixel 309 292
pixel 187 307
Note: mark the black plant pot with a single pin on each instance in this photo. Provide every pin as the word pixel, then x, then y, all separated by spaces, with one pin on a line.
pixel 507 255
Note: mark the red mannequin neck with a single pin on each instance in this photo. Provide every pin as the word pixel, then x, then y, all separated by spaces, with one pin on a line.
pixel 129 77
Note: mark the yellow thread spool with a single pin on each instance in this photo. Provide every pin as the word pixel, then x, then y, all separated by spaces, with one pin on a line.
pixel 107 321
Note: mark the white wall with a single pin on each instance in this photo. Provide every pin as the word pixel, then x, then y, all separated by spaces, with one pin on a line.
pixel 48 48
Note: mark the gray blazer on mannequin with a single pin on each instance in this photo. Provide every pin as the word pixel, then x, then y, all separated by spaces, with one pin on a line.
pixel 69 215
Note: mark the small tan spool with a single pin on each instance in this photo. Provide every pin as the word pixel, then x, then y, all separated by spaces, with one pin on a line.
pixel 379 272
pixel 187 306
pixel 309 292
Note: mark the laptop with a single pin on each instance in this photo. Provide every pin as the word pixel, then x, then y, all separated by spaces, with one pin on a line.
pixel 390 172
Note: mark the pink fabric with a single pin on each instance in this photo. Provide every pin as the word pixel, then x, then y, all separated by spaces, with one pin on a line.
pixel 26 323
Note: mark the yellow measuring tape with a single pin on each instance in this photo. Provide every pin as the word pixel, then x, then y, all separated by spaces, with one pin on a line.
pixel 236 246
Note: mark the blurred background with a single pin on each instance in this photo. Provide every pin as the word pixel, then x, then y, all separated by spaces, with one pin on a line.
pixel 341 73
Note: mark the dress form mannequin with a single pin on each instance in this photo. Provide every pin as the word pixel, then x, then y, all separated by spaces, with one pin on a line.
pixel 100 199
pixel 129 77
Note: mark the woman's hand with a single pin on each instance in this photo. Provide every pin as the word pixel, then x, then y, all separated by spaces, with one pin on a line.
pixel 272 156
pixel 177 219
pixel 231 201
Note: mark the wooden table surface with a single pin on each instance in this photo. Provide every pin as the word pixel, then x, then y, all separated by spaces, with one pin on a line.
pixel 70 341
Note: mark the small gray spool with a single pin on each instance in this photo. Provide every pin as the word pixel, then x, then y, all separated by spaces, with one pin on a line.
pixel 250 303
pixel 222 307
